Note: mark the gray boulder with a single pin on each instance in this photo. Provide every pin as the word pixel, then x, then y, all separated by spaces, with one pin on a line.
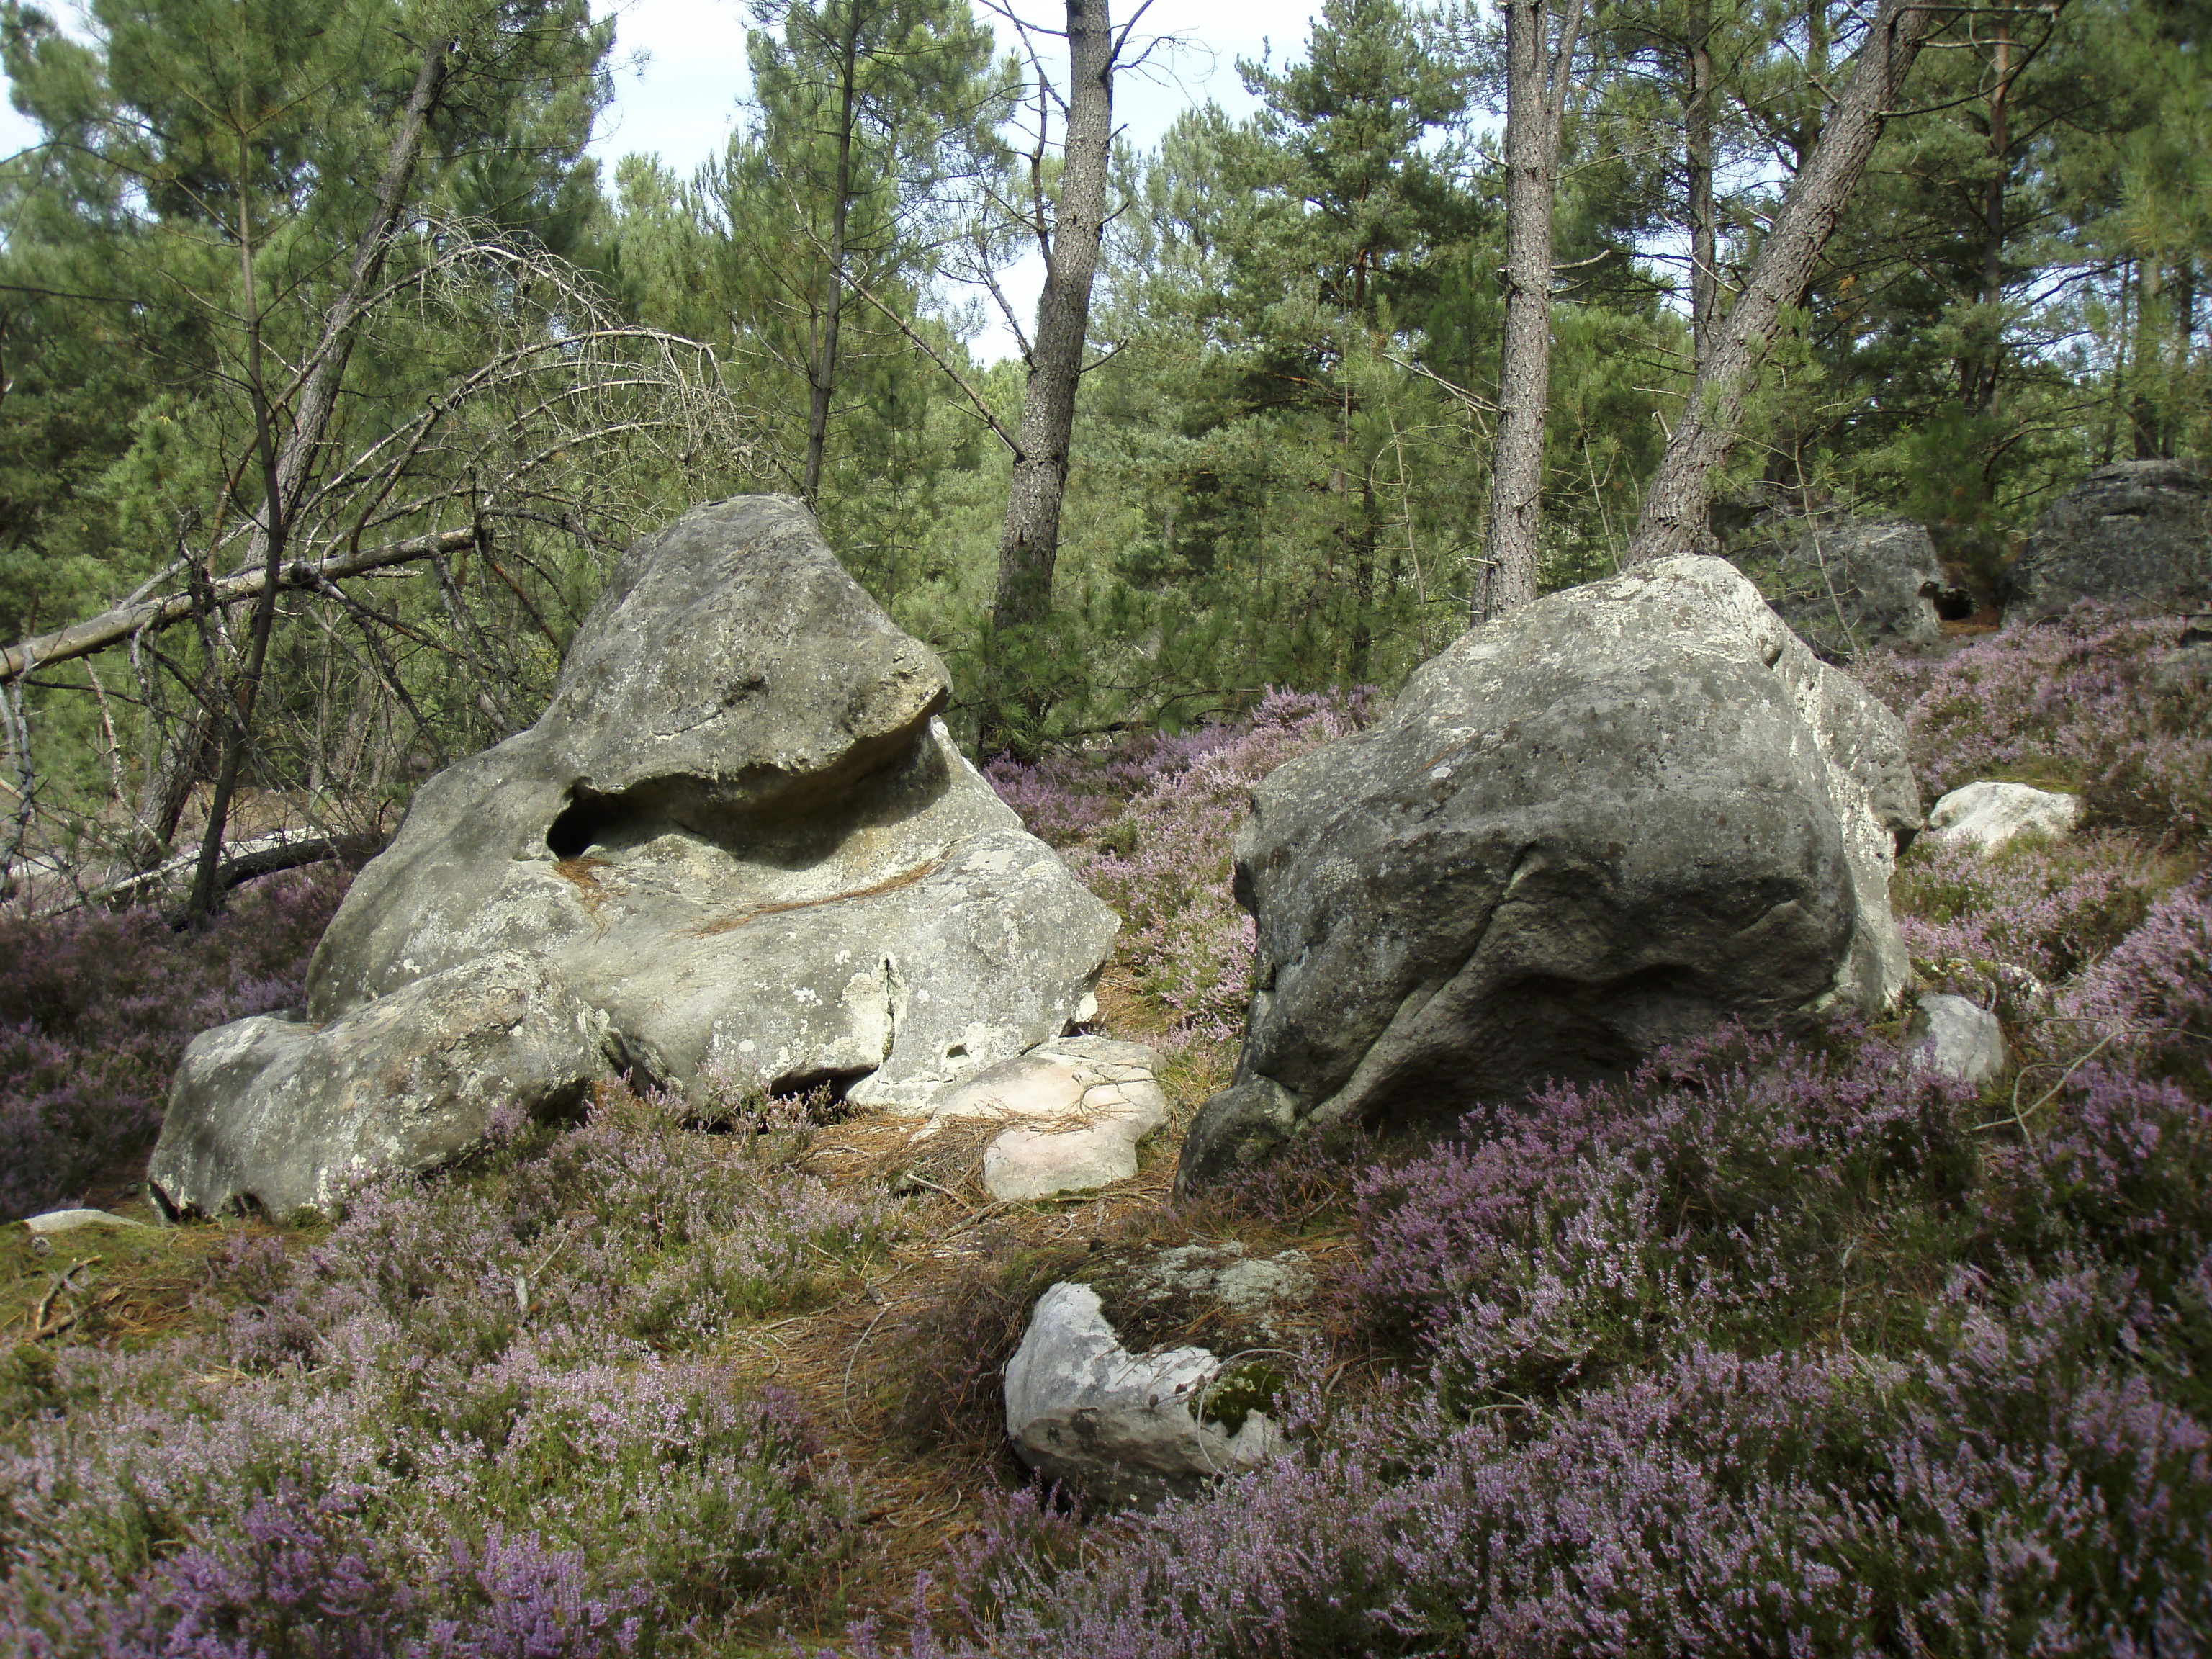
pixel 1124 1428
pixel 276 1115
pixel 1607 822
pixel 738 835
pixel 2137 534
pixel 1847 584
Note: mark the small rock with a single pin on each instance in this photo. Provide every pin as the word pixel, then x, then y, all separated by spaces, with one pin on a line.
pixel 1250 1288
pixel 1124 1429
pixel 63 1221
pixel 2178 671
pixel 1076 1109
pixel 1955 1038
pixel 1990 814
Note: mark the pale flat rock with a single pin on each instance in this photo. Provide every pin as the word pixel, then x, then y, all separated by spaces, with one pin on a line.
pixel 1989 814
pixel 1075 1109
pixel 63 1221
pixel 1123 1428
pixel 1955 1038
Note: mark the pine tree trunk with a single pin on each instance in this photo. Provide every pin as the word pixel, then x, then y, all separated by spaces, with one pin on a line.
pixel 823 380
pixel 1029 542
pixel 1981 387
pixel 1674 507
pixel 1698 154
pixel 1535 106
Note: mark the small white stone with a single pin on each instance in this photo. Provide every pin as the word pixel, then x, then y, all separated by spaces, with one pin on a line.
pixel 1955 1038
pixel 63 1221
pixel 1988 814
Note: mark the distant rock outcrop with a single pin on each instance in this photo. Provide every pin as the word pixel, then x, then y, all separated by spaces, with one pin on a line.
pixel 738 836
pixel 1845 584
pixel 2137 534
pixel 1609 821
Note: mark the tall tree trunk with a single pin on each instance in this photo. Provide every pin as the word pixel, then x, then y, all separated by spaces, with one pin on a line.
pixel 1674 507
pixel 1697 155
pixel 1981 379
pixel 823 381
pixel 1029 542
pixel 2150 290
pixel 1536 103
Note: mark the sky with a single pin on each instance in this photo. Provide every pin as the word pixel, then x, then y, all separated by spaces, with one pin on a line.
pixel 679 75
pixel 682 100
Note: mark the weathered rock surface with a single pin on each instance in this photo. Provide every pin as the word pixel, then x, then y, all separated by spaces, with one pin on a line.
pixel 1846 584
pixel 1989 814
pixel 1955 1038
pixel 1075 1109
pixel 1123 1428
pixel 738 834
pixel 2136 534
pixel 274 1114
pixel 1609 821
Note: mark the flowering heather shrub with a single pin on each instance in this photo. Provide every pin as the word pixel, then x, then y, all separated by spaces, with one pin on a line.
pixel 456 1420
pixel 2062 703
pixel 2152 997
pixel 1148 829
pixel 96 1011
pixel 2047 909
pixel 630 1234
pixel 1599 1227
pixel 1751 1354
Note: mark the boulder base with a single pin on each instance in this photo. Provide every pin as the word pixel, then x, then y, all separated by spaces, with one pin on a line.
pixel 1953 1037
pixel 1847 584
pixel 1607 822
pixel 276 1115
pixel 1075 1109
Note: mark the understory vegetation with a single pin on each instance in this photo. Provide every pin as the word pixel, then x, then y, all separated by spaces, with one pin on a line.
pixel 1769 1348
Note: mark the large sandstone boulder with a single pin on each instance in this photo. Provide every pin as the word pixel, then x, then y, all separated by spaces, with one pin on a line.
pixel 1607 822
pixel 738 835
pixel 2137 534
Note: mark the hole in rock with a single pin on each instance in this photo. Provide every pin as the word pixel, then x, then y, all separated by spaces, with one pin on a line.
pixel 1955 604
pixel 586 820
pixel 836 1080
pixel 958 1051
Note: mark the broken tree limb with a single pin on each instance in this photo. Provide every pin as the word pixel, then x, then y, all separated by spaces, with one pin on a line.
pixel 114 627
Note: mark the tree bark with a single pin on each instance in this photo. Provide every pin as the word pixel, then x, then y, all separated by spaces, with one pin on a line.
pixel 1674 507
pixel 1028 540
pixel 238 704
pixel 823 380
pixel 1980 387
pixel 1536 103
pixel 1697 156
